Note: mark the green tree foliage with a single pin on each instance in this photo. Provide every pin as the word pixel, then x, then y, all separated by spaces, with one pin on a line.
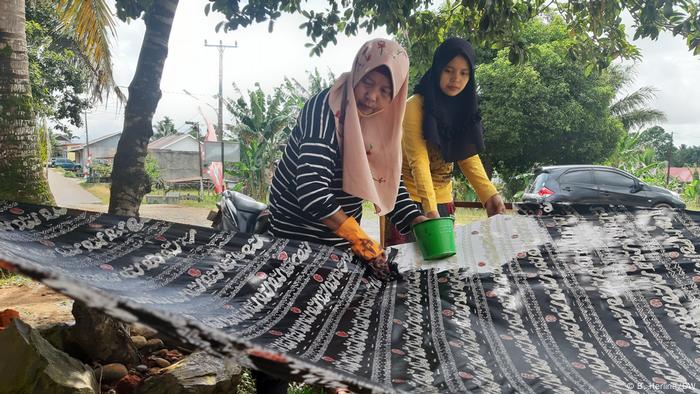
pixel 596 25
pixel 633 154
pixel 631 109
pixel 687 156
pixel 163 128
pixel 546 111
pixel 658 139
pixel 57 70
pixel 91 23
pixel 263 123
pixel 299 93
pixel 153 172
pixel 691 191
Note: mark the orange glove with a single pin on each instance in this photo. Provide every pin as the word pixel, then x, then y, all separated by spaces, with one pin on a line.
pixel 361 244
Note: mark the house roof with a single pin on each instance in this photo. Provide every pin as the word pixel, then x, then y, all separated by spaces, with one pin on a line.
pixel 683 174
pixel 104 137
pixel 78 147
pixel 167 141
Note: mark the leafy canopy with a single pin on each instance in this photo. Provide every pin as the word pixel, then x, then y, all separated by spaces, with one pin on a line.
pixel 596 25
pixel 57 69
pixel 547 111
pixel 163 128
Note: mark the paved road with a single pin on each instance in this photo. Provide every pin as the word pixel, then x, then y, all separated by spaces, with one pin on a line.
pixel 69 194
pixel 67 191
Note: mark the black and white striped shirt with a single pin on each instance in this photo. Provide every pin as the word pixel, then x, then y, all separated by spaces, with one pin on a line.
pixel 308 182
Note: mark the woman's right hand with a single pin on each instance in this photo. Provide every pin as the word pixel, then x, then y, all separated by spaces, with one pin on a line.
pixel 380 267
pixel 361 244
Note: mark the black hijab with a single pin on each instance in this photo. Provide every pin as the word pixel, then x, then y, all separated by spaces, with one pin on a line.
pixel 451 123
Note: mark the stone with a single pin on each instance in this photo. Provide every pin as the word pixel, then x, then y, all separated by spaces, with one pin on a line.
pixel 139 341
pixel 57 336
pixel 198 373
pixel 138 329
pixel 128 384
pixel 154 344
pixel 111 372
pixel 163 363
pixel 30 364
pixel 141 368
pixel 114 344
pixel 154 371
pixel 170 355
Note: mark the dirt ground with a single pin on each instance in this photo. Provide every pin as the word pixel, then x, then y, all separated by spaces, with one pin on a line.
pixel 38 306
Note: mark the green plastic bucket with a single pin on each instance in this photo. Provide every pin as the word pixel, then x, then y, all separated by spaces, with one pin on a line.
pixel 436 238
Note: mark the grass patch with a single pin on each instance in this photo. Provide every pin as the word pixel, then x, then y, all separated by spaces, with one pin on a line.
pixel 102 191
pixel 205 203
pixel 247 386
pixel 209 198
pixel 99 190
pixel 462 215
pixel 8 279
pixel 469 215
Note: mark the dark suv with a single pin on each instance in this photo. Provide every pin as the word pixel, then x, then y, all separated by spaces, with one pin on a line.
pixel 589 184
pixel 66 164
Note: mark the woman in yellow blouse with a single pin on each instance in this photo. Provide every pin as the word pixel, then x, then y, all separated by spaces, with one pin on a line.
pixel 442 126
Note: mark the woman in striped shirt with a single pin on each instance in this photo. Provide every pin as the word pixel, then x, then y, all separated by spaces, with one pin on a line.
pixel 346 148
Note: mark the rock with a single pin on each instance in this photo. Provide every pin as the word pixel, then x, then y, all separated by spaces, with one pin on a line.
pixel 154 371
pixel 154 344
pixel 139 341
pixel 163 363
pixel 114 344
pixel 128 384
pixel 138 329
pixel 111 372
pixel 170 355
pixel 141 368
pixel 57 336
pixel 29 364
pixel 198 373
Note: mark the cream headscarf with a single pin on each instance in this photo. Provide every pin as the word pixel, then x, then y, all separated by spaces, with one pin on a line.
pixel 371 145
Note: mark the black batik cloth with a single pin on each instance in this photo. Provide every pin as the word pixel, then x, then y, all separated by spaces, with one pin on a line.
pixel 608 302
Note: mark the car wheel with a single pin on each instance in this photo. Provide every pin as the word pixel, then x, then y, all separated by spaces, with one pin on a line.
pixel 663 205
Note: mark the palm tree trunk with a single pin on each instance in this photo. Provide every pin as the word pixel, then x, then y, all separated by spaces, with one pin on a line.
pixel 129 180
pixel 21 170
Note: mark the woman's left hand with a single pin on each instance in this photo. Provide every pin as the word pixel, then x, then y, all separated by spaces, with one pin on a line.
pixel 495 205
pixel 420 219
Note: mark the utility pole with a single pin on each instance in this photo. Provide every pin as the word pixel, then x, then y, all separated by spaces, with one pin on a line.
pixel 87 145
pixel 220 120
pixel 668 166
pixel 195 127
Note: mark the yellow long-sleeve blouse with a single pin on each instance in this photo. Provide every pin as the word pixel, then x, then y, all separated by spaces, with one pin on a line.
pixel 426 175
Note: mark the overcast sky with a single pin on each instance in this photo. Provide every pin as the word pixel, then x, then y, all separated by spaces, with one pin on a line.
pixel 267 58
